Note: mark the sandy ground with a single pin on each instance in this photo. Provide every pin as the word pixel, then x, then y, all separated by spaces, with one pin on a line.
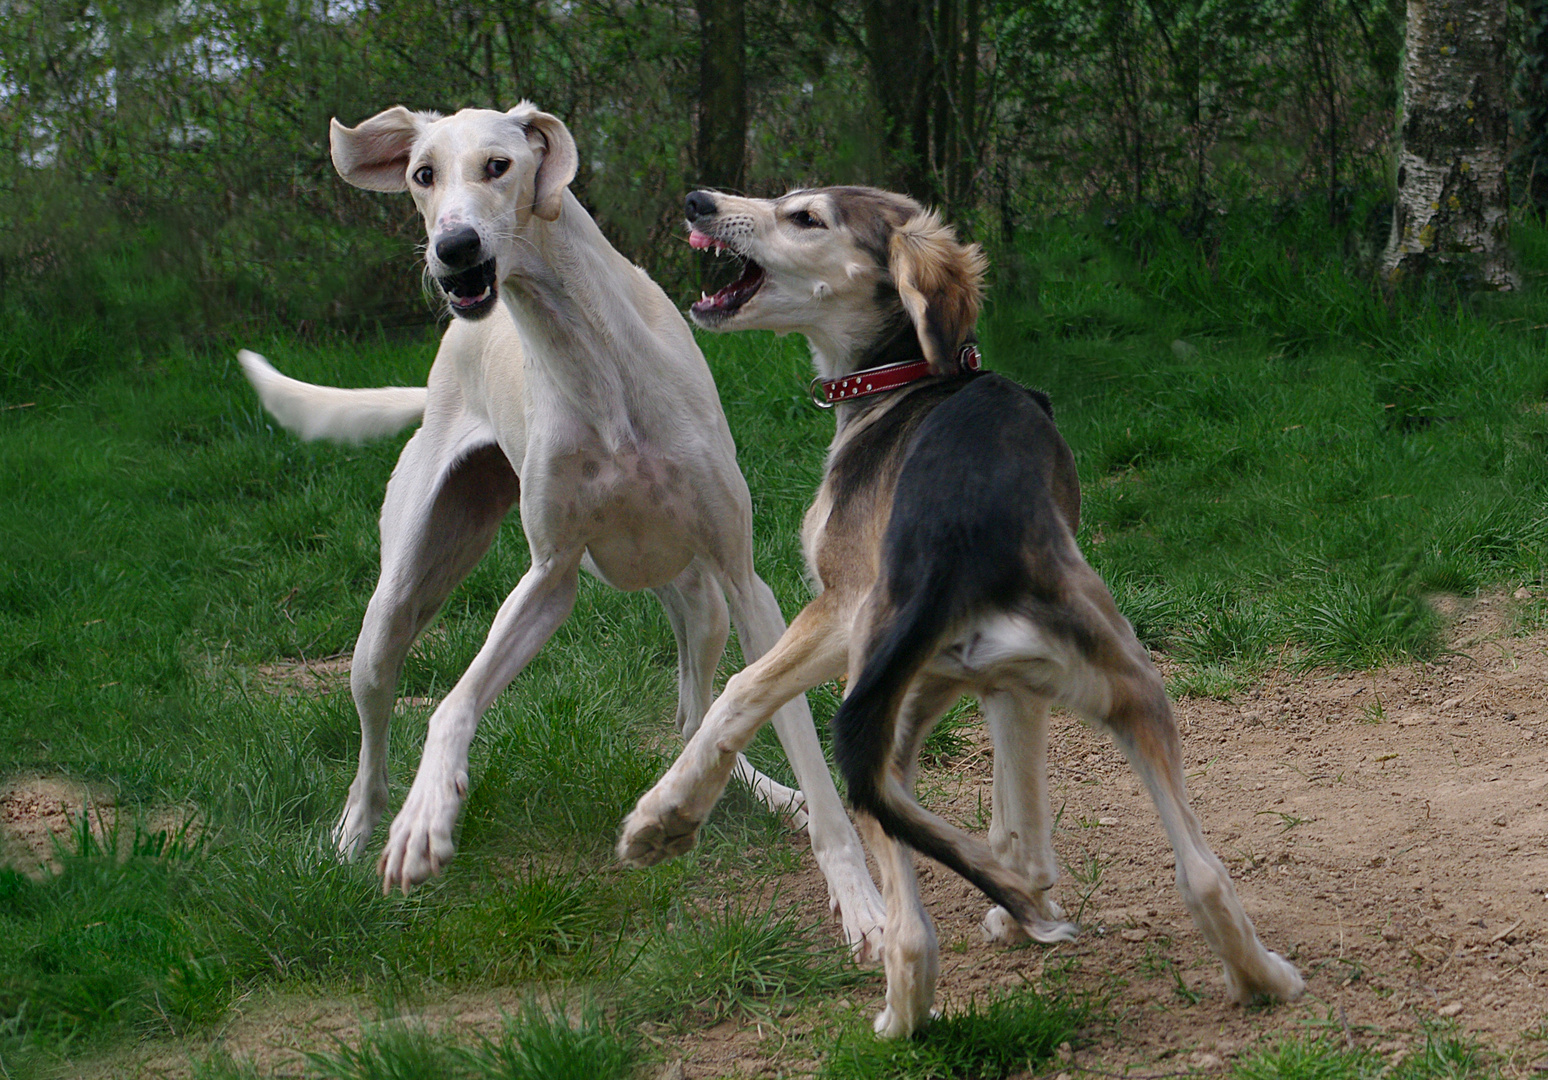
pixel 1386 830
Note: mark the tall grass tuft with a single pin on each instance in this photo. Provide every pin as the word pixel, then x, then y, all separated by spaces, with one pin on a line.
pixel 1443 1055
pixel 1015 1032
pixel 738 957
pixel 535 1044
pixel 542 1044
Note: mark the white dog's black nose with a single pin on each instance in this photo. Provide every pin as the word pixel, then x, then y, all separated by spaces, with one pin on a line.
pixel 460 248
pixel 699 204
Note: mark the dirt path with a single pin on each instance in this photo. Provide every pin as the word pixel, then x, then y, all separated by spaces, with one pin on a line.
pixel 1388 830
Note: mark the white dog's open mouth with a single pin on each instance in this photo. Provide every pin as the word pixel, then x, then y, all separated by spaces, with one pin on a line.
pixel 725 303
pixel 472 292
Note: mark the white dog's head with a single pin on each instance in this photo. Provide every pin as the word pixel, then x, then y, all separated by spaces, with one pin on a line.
pixel 847 266
pixel 478 178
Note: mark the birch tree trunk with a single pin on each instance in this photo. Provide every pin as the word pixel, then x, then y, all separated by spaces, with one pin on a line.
pixel 1451 212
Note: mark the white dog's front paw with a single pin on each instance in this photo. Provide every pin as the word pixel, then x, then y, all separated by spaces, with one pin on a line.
pixel 1276 978
pixel 654 832
pixel 362 810
pixel 419 843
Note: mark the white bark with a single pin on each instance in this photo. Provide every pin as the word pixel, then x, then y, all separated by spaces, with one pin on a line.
pixel 1451 211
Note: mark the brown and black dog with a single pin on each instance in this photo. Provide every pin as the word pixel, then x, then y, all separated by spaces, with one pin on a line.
pixel 943 542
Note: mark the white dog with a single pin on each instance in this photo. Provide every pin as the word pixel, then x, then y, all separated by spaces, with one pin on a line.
pixel 567 383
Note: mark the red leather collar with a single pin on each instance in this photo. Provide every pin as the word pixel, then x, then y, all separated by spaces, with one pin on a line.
pixel 827 393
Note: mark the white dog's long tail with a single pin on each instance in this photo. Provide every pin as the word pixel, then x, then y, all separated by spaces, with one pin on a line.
pixel 327 412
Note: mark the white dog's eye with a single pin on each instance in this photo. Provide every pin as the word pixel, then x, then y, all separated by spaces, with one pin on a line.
pixel 496 167
pixel 805 220
pixel 424 176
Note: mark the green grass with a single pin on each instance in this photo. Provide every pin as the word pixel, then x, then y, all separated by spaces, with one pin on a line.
pixel 1013 1032
pixel 1278 467
pixel 1439 1055
pixel 704 964
pixel 536 1044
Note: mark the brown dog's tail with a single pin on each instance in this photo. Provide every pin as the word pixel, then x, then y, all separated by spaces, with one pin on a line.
pixel 971 498
pixel 864 731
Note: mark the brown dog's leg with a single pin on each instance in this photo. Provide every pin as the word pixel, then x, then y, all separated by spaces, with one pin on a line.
pixel 666 820
pixel 1143 726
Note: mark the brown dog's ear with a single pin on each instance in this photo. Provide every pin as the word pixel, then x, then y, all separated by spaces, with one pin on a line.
pixel 374 154
pixel 552 140
pixel 940 281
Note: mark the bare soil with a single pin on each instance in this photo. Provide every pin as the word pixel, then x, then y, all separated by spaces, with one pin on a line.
pixel 39 813
pixel 1386 830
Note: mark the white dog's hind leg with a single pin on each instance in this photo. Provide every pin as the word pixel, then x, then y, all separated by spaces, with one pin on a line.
pixel 1020 833
pixel 443 508
pixel 665 822
pixel 696 608
pixel 852 896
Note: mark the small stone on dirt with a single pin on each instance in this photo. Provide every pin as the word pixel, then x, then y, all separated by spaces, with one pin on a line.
pixel 1451 1009
pixel 1134 934
pixel 1522 593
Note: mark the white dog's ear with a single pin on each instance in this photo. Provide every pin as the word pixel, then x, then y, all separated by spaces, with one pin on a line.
pixel 374 154
pixel 552 140
pixel 940 281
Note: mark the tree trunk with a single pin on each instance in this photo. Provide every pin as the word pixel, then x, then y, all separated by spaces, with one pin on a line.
pixel 901 65
pixel 968 147
pixel 1451 214
pixel 722 141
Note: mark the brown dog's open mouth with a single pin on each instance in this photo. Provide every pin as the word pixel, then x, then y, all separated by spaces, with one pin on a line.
pixel 725 303
pixel 473 292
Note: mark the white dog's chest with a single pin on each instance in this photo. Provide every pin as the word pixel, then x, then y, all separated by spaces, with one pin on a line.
pixel 628 509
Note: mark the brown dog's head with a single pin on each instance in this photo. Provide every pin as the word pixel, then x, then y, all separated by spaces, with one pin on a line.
pixel 841 265
pixel 478 177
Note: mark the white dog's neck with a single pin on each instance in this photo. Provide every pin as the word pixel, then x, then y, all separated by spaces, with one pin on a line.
pixel 575 303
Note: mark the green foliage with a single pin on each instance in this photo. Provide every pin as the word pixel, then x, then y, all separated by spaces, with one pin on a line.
pixel 168 179
pixel 1015 1032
